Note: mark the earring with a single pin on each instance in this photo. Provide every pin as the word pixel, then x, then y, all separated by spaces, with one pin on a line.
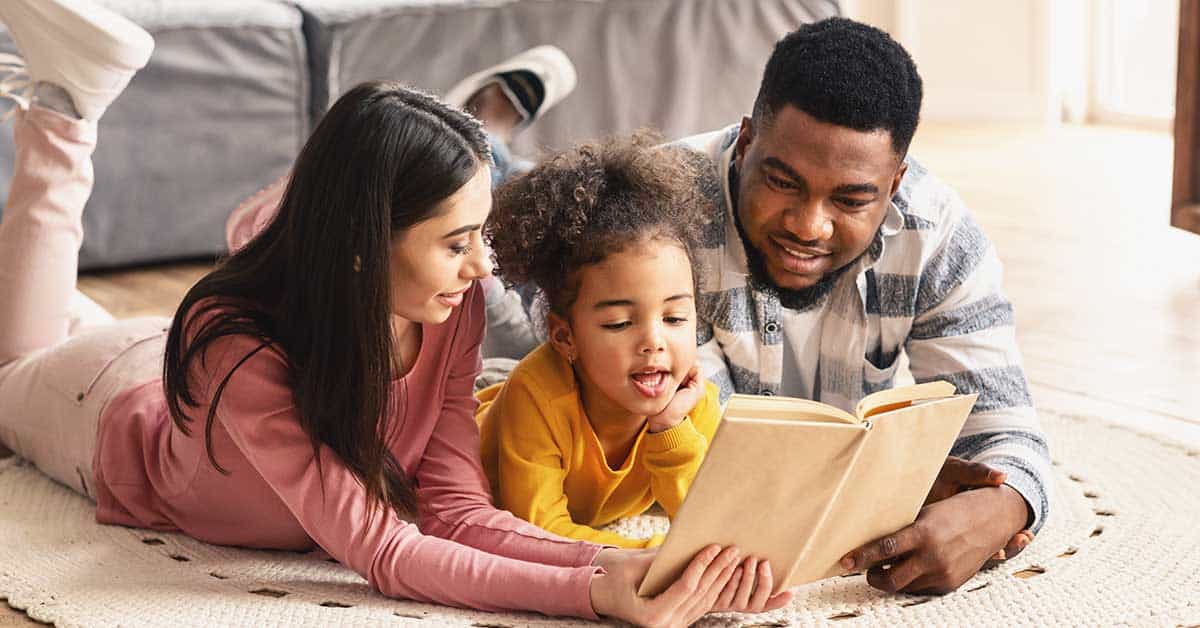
pixel 357 264
pixel 571 359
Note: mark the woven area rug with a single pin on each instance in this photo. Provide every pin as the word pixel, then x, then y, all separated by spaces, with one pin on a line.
pixel 1122 547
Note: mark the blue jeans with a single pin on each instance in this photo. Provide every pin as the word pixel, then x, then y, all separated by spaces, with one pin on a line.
pixel 507 166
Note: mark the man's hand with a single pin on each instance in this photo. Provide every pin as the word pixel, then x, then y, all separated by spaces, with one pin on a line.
pixel 689 393
pixel 958 475
pixel 947 544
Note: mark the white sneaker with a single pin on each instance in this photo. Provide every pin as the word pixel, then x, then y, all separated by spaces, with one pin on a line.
pixel 549 64
pixel 83 47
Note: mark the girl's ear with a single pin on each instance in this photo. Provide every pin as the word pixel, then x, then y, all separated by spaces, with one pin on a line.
pixel 560 336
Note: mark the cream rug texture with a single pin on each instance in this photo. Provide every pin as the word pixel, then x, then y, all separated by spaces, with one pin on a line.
pixel 1121 547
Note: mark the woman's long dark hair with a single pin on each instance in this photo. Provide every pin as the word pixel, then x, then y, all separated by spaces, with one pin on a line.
pixel 315 283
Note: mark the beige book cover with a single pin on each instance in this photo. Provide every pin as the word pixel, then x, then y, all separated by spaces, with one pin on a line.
pixel 802 483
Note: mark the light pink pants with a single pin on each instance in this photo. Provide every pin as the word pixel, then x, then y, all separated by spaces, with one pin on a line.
pixel 62 357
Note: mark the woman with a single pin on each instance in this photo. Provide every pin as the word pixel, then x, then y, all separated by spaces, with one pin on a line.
pixel 316 387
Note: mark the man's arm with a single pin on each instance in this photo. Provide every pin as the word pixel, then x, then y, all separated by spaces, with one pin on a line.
pixel 510 329
pixel 711 359
pixel 963 332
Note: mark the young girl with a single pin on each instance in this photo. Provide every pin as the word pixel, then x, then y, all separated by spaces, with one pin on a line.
pixel 316 386
pixel 610 415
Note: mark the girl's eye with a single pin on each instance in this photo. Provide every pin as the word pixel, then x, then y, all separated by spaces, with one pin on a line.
pixel 461 249
pixel 675 320
pixel 617 326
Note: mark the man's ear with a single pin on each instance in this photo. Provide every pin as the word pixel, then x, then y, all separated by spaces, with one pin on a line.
pixel 744 138
pixel 561 337
pixel 897 178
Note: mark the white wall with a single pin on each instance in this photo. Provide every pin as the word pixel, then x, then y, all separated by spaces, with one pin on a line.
pixel 979 59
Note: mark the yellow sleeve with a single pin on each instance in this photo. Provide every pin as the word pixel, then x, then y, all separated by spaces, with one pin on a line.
pixel 533 445
pixel 673 456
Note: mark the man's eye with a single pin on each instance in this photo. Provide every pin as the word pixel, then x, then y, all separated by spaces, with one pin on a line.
pixel 780 183
pixel 853 203
pixel 617 326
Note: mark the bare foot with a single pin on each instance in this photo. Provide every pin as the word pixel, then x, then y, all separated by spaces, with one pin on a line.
pixel 495 111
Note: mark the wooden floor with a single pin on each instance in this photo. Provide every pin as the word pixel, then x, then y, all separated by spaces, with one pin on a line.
pixel 1107 295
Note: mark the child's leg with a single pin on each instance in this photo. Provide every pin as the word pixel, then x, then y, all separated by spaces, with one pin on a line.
pixel 42 229
pixel 254 213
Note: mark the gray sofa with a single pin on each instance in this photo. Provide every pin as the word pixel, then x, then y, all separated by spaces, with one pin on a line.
pixel 234 86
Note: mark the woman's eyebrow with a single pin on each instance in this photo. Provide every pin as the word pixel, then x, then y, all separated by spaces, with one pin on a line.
pixel 462 230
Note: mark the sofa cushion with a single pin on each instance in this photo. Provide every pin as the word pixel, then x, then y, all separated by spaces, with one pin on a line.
pixel 682 66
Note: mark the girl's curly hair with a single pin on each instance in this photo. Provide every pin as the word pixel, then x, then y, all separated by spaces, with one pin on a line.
pixel 580 206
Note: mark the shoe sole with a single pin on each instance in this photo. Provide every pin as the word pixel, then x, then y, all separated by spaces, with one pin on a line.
pixel 110 39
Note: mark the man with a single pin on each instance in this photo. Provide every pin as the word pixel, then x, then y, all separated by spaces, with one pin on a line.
pixel 829 253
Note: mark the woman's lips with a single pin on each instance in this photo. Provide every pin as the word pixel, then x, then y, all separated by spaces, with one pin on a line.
pixel 452 299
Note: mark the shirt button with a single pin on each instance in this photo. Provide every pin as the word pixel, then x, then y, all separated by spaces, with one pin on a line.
pixel 771 327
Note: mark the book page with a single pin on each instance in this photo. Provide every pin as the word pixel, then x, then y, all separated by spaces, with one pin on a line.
pixel 785 408
pixel 764 487
pixel 893 398
pixel 887 487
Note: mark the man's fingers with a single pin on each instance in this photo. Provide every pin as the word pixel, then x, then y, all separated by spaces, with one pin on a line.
pixel 1020 541
pixel 887 548
pixel 895 578
pixel 974 474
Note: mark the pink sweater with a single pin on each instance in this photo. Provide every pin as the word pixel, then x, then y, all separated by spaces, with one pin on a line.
pixel 463 551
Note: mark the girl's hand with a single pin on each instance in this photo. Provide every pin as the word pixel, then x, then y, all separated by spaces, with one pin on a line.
pixel 686 397
pixel 614 594
pixel 749 590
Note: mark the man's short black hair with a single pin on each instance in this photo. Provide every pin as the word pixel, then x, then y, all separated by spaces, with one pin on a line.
pixel 845 73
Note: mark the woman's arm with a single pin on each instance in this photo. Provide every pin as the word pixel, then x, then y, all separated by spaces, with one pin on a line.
pixel 332 507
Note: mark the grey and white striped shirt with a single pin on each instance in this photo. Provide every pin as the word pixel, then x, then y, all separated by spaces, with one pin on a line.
pixel 929 285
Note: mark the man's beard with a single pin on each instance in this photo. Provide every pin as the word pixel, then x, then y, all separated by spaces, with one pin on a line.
pixel 800 300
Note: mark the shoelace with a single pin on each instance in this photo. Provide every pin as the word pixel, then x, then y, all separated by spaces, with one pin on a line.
pixel 16 84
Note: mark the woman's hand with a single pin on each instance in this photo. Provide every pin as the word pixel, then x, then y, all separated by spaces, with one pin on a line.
pixel 749 590
pixel 689 393
pixel 704 583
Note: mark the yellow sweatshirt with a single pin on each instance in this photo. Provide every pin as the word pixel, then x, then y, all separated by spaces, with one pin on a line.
pixel 547 466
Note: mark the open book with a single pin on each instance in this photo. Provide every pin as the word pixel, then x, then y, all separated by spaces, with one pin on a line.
pixel 802 483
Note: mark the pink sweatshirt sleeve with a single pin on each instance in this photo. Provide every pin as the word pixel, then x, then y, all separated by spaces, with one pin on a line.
pixel 454 494
pixel 329 503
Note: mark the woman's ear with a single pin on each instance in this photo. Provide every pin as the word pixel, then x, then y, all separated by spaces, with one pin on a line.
pixel 560 336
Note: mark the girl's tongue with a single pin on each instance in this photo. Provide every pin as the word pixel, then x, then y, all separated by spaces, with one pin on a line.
pixel 650 384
